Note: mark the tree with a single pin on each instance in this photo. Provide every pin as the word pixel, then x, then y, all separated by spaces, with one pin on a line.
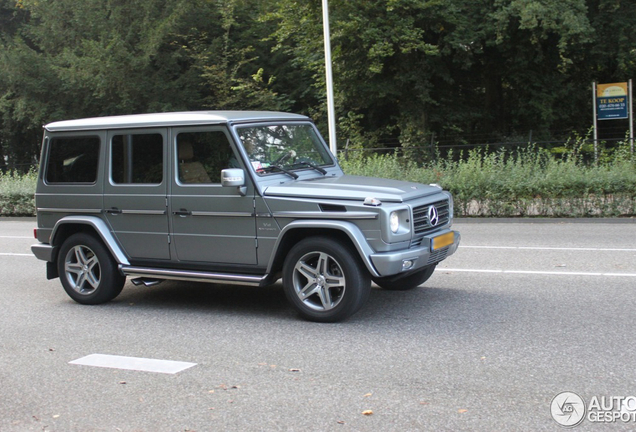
pixel 72 59
pixel 404 70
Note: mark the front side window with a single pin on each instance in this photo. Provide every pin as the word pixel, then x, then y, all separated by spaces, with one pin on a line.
pixel 137 159
pixel 202 155
pixel 289 146
pixel 73 160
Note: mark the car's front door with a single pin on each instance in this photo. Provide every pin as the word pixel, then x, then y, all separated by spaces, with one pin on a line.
pixel 211 224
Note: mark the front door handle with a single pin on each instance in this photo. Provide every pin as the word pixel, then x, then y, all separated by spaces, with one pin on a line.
pixel 113 211
pixel 182 212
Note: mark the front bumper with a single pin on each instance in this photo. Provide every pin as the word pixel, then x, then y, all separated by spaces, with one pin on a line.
pixel 392 263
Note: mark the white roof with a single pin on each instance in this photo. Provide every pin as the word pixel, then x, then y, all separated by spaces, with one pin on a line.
pixel 190 118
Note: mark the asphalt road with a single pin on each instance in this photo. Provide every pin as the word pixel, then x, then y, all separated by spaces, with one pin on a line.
pixel 521 313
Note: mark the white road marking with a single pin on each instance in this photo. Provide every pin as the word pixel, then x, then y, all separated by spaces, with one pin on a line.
pixel 532 272
pixel 550 248
pixel 18 237
pixel 16 254
pixel 133 363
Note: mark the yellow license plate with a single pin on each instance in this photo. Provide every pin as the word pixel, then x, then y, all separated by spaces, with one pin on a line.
pixel 442 241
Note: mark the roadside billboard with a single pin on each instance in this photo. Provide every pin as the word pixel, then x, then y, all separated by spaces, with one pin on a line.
pixel 612 101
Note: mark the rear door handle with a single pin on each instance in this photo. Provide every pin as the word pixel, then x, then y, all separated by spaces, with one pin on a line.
pixel 182 212
pixel 113 211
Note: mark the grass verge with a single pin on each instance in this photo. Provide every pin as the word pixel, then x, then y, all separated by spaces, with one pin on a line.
pixel 520 183
pixel 17 193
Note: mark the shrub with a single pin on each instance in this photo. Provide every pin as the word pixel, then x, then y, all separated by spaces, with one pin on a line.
pixel 17 193
pixel 525 182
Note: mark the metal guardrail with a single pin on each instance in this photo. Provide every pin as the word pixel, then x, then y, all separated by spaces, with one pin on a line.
pixel 433 149
pixel 20 167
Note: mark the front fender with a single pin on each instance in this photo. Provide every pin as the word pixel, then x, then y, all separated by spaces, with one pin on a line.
pixel 348 228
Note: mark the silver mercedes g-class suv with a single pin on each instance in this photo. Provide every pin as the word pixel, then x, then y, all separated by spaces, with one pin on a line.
pixel 230 197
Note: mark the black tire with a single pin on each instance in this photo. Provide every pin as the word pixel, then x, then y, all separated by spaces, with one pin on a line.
pixel 408 282
pixel 325 280
pixel 88 271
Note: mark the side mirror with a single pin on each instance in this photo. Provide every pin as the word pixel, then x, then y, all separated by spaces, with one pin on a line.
pixel 234 177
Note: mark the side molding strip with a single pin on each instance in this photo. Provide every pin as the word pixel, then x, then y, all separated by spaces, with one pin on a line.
pixel 222 214
pixel 325 215
pixel 69 210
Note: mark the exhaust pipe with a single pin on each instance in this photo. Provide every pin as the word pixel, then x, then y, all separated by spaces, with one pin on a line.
pixel 145 281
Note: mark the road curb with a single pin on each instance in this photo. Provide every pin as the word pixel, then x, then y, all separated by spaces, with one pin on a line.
pixel 538 220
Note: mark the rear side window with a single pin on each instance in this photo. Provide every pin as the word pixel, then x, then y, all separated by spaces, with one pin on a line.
pixel 137 159
pixel 73 160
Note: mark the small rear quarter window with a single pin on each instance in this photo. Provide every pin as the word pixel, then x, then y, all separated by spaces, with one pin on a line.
pixel 73 160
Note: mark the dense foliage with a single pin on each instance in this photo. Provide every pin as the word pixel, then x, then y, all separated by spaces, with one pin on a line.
pixel 527 183
pixel 17 193
pixel 403 69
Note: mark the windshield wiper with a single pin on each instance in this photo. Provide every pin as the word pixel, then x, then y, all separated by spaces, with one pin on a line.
pixel 311 165
pixel 280 168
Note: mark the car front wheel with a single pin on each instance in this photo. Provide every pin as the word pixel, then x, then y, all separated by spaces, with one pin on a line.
pixel 325 280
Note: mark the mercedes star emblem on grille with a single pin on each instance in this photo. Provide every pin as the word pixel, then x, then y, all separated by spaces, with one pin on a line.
pixel 433 215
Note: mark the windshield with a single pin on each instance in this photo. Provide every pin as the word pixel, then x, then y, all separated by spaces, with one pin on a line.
pixel 287 146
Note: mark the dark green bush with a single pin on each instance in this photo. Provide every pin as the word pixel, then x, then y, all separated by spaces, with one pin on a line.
pixel 530 182
pixel 17 193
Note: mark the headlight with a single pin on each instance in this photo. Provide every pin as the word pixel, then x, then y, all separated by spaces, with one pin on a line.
pixel 394 222
pixel 451 206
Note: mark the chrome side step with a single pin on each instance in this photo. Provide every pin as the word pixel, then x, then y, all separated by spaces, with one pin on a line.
pixel 193 276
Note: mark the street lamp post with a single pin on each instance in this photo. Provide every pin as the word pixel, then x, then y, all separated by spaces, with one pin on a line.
pixel 331 116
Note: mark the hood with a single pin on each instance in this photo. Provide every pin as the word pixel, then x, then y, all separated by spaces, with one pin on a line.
pixel 355 188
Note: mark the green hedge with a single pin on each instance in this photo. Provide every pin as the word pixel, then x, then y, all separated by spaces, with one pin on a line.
pixel 530 182
pixel 17 193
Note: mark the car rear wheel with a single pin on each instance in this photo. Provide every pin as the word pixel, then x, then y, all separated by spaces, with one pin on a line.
pixel 407 282
pixel 87 270
pixel 325 280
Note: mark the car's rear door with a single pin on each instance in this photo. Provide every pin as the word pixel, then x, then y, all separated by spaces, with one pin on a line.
pixel 135 192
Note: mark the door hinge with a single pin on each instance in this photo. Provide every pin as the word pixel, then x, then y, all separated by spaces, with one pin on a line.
pixel 168 239
pixel 256 243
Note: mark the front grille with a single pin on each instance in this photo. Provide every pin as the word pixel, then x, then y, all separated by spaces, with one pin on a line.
pixel 437 256
pixel 422 225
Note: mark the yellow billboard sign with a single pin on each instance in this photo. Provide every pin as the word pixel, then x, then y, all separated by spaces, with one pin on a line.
pixel 611 101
